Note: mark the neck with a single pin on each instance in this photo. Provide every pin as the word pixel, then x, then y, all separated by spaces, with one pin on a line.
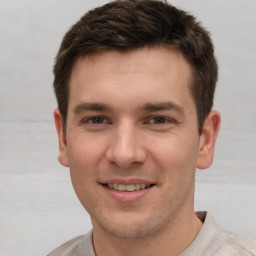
pixel 171 241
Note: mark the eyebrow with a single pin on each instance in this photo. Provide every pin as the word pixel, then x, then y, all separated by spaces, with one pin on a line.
pixel 91 107
pixel 151 107
pixel 147 107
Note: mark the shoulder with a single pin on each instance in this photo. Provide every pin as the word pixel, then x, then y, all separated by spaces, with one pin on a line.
pixel 230 243
pixel 225 243
pixel 78 246
pixel 236 245
pixel 214 241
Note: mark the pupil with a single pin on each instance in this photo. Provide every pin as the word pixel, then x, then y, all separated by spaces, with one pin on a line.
pixel 159 119
pixel 97 120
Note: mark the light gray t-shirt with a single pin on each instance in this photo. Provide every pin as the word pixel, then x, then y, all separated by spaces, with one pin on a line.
pixel 211 241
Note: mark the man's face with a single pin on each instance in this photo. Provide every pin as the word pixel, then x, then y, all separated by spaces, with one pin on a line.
pixel 131 139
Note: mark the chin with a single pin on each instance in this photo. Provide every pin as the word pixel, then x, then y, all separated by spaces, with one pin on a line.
pixel 134 228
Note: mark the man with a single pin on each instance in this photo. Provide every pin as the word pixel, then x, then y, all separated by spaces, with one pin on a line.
pixel 135 81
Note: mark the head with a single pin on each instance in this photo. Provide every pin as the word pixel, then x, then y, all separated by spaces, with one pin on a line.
pixel 134 82
pixel 132 24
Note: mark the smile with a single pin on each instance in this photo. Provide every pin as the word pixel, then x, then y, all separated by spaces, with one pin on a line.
pixel 127 187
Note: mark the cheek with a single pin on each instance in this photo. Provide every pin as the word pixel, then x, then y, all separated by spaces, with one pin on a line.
pixel 84 187
pixel 176 155
pixel 84 179
pixel 84 153
pixel 85 161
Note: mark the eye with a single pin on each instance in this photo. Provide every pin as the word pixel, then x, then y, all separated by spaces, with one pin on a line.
pixel 95 120
pixel 159 120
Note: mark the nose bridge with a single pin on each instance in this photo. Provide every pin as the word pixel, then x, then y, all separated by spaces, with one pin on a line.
pixel 126 148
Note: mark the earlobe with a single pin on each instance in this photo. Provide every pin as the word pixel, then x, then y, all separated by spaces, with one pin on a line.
pixel 63 159
pixel 207 140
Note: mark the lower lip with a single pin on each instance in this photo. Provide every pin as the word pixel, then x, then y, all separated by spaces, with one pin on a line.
pixel 123 196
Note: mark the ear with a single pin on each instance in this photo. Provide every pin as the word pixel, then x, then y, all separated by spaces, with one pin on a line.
pixel 63 159
pixel 207 140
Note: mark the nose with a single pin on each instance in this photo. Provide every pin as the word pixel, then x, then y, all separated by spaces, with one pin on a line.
pixel 126 147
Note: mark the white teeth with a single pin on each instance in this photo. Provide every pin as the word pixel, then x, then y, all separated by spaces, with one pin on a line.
pixel 121 187
pixel 129 187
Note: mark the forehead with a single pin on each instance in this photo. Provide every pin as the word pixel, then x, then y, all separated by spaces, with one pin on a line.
pixel 152 73
pixel 133 58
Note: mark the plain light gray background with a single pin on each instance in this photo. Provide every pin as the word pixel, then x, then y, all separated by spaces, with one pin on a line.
pixel 38 208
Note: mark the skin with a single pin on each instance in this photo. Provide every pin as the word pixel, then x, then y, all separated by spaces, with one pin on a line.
pixel 132 119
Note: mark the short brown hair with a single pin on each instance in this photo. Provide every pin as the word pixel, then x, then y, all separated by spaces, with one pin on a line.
pixel 129 24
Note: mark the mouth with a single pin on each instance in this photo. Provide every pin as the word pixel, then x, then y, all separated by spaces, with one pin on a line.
pixel 128 187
